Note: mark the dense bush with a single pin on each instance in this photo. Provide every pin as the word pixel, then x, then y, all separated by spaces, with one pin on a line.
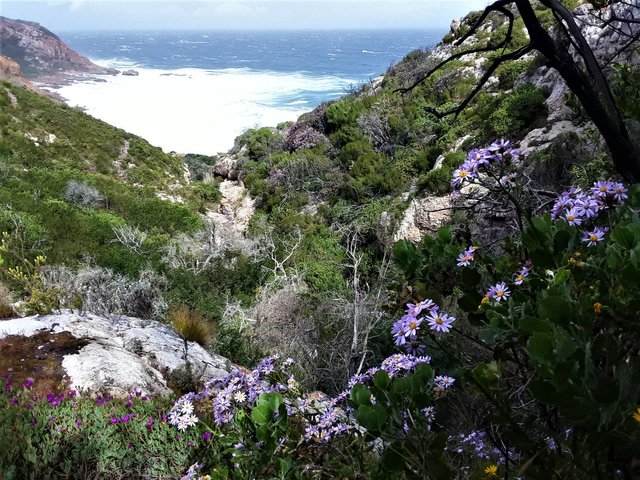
pixel 518 111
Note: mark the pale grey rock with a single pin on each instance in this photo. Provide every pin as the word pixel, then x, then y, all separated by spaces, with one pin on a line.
pixel 438 163
pixel 227 167
pixel 96 367
pixel 424 216
pixel 236 205
pixel 540 138
pixel 122 352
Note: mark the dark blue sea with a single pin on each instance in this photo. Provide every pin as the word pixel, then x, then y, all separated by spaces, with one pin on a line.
pixel 234 79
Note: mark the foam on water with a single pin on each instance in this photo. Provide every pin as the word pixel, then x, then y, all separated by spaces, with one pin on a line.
pixel 192 110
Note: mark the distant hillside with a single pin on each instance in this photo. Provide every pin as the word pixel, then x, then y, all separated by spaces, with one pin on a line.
pixel 45 147
pixel 40 52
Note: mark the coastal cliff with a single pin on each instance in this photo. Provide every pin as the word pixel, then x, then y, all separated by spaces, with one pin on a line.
pixel 40 53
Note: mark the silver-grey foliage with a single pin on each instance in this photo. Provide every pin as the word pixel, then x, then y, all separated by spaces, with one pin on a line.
pixel 102 291
pixel 83 195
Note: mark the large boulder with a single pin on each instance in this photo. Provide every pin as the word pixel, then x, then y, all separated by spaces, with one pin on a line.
pixel 98 353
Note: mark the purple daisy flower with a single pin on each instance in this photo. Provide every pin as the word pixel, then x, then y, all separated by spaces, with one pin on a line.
pixel 521 275
pixel 593 237
pixel 619 192
pixel 499 291
pixel 443 381
pixel 412 326
pixel 601 188
pixel 399 331
pixel 573 217
pixel 440 322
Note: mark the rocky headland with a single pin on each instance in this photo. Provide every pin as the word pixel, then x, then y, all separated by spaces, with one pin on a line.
pixel 41 55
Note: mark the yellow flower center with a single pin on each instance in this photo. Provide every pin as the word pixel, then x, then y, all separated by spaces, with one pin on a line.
pixel 463 173
pixel 519 278
pixel 593 238
pixel 603 188
pixel 499 293
pixel 439 321
pixel 412 325
pixel 571 218
pixel 597 307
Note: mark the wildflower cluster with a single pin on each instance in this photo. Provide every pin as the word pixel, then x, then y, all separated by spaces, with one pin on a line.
pixel 338 418
pixel 498 154
pixel 581 209
pixel 329 424
pixel 235 391
pixel 407 330
pixel 192 473
pixel 475 442
pixel 466 257
pixel 182 414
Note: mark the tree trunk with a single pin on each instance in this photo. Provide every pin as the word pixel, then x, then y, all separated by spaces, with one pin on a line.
pixel 588 84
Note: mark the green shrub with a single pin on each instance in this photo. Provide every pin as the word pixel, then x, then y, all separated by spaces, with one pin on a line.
pixel 342 113
pixel 509 72
pixel 208 192
pixel 518 112
pixel 369 177
pixel 626 89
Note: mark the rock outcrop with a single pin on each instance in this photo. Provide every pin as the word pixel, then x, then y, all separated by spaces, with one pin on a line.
pixel 424 216
pixel 112 354
pixel 40 53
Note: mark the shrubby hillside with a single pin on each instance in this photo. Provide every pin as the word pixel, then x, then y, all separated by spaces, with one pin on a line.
pixel 497 250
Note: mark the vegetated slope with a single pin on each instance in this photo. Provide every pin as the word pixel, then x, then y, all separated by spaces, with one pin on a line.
pixel 45 145
pixel 375 167
pixel 378 145
pixel 117 219
pixel 334 191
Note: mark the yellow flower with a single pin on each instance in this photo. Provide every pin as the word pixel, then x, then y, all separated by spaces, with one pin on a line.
pixel 491 470
pixel 597 307
pixel 483 302
pixel 636 415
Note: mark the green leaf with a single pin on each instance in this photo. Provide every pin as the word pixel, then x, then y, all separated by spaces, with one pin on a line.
pixel 562 275
pixel 487 374
pixel 382 380
pixel 407 256
pixel 532 324
pixel 555 308
pixel 361 395
pixel 373 418
pixel 540 347
pixel 623 236
pixel 262 414
pixel 445 235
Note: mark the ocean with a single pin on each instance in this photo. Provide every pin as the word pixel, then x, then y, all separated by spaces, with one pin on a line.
pixel 196 91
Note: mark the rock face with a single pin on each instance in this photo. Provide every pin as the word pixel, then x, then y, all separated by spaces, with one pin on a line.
pixel 41 53
pixel 10 71
pixel 118 353
pixel 424 216
pixel 227 167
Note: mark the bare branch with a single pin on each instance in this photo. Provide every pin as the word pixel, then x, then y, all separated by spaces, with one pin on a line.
pixel 481 83
pixel 489 48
